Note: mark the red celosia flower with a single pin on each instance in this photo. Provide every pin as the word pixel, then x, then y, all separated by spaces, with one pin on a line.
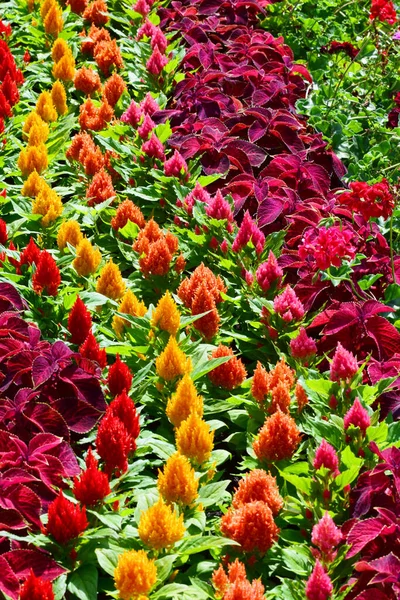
pixel 79 322
pixel 124 409
pixel 5 108
pixel 3 232
pixel 303 347
pixel 344 365
pixel 230 374
pixel 288 306
pixel 258 485
pixel 260 383
pixel 30 254
pixel 371 201
pixel 92 486
pixel 203 301
pixel 100 189
pixel 66 520
pixel 358 416
pixel 175 166
pixel 319 585
pixel 77 6
pixel 90 349
pixel 119 377
pixel 47 276
pixel 36 588
pixel 326 456
pixel 327 247
pixel 326 536
pixel 248 232
pixel 26 57
pixel 277 439
pixel 383 10
pixel 153 148
pixel 127 211
pixel 252 525
pixel 10 90
pixel 113 444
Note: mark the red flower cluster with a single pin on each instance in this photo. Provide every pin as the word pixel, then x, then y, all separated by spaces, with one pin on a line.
pixel 47 276
pixel 10 78
pixel 90 349
pixel 66 520
pixel 370 201
pixel 36 588
pixel 384 11
pixel 119 377
pixel 79 322
pixel 92 486
pixel 327 247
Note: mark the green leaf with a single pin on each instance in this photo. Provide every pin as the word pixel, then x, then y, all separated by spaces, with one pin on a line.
pixel 200 543
pixel 164 566
pixel 108 559
pixel 213 493
pixel 296 559
pixel 83 582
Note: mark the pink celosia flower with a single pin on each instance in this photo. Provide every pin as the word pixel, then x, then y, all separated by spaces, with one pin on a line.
pixel 327 246
pixel 249 278
pixel 146 127
pixel 224 246
pixel 326 536
pixel 153 148
pixel 158 39
pixel 132 114
pixel 303 347
pixel 142 7
pixel 269 272
pixel 319 585
pixel 219 208
pixel 200 194
pixel 357 416
pixel 149 106
pixel 344 365
pixel 326 456
pixel 147 29
pixel 156 62
pixel 248 231
pixel 174 166
pixel 288 306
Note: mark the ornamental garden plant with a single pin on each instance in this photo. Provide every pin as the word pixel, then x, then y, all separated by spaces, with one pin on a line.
pixel 199 300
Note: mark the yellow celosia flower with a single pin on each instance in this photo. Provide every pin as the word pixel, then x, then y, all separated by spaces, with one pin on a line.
pixel 33 158
pixel 178 483
pixel 129 305
pixel 184 401
pixel 45 7
pixel 87 258
pixel 134 575
pixel 194 439
pixel 59 98
pixel 53 22
pixel 70 233
pixel 36 128
pixel 48 204
pixel 160 527
pixel 172 362
pixel 60 48
pixel 31 5
pixel 110 282
pixel 65 68
pixel 45 107
pixel 33 185
pixel 166 315
pixel 32 119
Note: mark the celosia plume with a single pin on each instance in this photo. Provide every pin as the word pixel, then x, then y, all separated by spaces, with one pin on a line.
pixel 160 527
pixel 177 482
pixel 79 322
pixel 66 520
pixel 135 574
pixel 119 377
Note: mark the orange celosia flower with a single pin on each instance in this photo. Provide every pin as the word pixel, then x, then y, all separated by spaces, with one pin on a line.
pixel 134 575
pixel 33 158
pixel 100 189
pixel 87 258
pixel 60 48
pixel 32 185
pixel 96 12
pixel 160 527
pixel 258 485
pixel 180 264
pixel 184 402
pixel 48 204
pixel 127 211
pixel 150 234
pixel 244 590
pixel 110 282
pixel 252 525
pixel 230 374
pixel 95 36
pixel 166 315
pixel 113 89
pixel 194 439
pixel 157 260
pixel 92 160
pixel 45 107
pixel 33 119
pixel 53 22
pixel 277 439
pixel 82 143
pixel 69 232
pixel 177 482
pixel 59 98
pixel 220 582
pixel 301 397
pixel 201 275
pixel 280 398
pixel 77 6
pixel 65 68
pixel 203 301
pixel 87 80
pixel 107 55
pixel 45 7
pixel 129 305
pixel 172 362
pixel 260 383
pixel 91 117
pixel 282 373
pixel 236 586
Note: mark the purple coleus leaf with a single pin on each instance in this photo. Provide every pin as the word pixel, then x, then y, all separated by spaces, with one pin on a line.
pixel 364 532
pixel 387 568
